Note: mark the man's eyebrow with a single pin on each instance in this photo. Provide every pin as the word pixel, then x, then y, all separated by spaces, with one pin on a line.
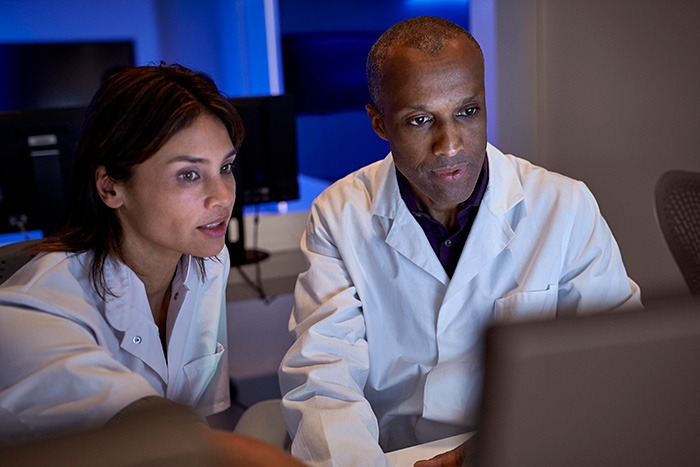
pixel 425 108
pixel 470 99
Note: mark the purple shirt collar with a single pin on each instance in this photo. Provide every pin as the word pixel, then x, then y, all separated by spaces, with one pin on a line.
pixel 447 245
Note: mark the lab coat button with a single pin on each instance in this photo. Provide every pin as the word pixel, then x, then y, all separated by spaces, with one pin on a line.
pixel 137 339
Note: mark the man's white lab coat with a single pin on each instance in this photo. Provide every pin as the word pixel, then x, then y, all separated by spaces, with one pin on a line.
pixel 389 347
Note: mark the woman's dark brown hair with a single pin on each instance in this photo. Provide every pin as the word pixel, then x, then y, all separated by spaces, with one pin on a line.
pixel 132 115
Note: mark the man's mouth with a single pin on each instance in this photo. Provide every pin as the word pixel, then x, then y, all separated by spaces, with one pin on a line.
pixel 449 172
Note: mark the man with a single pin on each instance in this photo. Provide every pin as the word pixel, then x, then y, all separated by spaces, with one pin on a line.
pixel 412 257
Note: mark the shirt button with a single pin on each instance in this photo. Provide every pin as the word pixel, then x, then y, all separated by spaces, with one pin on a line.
pixel 137 339
pixel 448 243
pixel 175 296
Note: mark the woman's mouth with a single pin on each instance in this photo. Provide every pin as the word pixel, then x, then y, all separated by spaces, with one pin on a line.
pixel 214 229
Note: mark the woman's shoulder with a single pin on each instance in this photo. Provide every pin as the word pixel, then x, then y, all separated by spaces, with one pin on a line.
pixel 47 275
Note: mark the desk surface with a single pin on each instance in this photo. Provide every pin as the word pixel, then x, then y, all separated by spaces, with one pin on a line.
pixel 277 273
pixel 407 456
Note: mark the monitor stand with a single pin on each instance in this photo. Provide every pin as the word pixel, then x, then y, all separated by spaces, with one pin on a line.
pixel 237 251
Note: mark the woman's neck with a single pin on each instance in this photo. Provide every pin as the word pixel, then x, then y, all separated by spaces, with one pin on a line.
pixel 156 273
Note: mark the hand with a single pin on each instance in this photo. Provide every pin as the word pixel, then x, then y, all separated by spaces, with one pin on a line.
pixel 463 455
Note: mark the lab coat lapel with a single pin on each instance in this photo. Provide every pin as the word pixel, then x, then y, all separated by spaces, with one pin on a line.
pixel 492 230
pixel 404 234
pixel 407 238
pixel 127 310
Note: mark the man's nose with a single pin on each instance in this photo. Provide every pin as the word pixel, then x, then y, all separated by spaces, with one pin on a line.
pixel 449 140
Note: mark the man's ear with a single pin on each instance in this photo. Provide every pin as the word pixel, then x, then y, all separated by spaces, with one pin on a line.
pixel 108 189
pixel 377 120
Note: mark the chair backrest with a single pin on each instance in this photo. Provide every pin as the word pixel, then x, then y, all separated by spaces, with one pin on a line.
pixel 677 197
pixel 14 256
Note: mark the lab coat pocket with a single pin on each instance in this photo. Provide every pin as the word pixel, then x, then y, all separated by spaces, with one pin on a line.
pixel 526 305
pixel 200 373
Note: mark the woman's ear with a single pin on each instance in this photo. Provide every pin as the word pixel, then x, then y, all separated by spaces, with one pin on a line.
pixel 108 189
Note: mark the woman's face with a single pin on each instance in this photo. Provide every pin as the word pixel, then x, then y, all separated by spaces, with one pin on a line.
pixel 179 201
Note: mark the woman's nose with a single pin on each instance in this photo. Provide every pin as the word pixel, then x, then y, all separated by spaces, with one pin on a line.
pixel 223 192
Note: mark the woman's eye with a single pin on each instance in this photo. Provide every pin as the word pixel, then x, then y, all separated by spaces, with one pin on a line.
pixel 227 168
pixel 189 176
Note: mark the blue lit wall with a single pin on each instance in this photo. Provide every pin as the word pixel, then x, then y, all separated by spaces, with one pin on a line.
pixel 225 38
pixel 76 20
pixel 334 144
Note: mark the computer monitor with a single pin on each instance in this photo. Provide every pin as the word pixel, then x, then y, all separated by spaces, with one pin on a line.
pixel 36 154
pixel 606 390
pixel 325 71
pixel 267 163
pixel 57 75
pixel 44 88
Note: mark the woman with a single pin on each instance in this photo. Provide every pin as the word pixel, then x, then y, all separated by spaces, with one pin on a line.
pixel 126 302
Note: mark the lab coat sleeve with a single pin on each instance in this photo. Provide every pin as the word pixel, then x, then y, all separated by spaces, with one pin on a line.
pixel 594 277
pixel 322 376
pixel 54 376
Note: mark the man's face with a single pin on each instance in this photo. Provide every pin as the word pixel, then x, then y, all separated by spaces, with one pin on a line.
pixel 434 118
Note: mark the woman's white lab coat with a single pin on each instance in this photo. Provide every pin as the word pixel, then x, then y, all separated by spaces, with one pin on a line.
pixel 71 360
pixel 388 346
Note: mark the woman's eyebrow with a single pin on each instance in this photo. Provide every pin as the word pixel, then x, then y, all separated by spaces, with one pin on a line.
pixel 200 160
pixel 189 159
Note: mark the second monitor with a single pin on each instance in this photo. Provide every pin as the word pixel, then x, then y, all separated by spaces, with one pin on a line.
pixel 267 163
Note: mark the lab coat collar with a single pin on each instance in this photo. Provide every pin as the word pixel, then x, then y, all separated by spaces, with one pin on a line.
pixel 503 192
pixel 503 180
pixel 388 202
pixel 120 280
pixel 404 234
pixel 128 291
pixel 127 310
pixel 504 189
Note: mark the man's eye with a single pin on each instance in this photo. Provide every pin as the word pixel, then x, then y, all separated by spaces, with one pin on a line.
pixel 189 176
pixel 419 120
pixel 227 168
pixel 471 111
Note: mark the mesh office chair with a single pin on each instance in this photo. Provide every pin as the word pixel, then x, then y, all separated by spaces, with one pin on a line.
pixel 13 257
pixel 677 197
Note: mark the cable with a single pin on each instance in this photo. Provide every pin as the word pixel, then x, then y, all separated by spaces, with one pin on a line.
pixel 257 284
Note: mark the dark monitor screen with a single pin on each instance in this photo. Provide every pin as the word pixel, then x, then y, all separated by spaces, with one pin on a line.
pixel 607 389
pixel 36 153
pixel 268 155
pixel 57 75
pixel 267 168
pixel 325 71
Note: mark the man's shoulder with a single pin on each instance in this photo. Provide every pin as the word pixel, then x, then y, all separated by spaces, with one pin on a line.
pixel 358 187
pixel 534 178
pixel 541 189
